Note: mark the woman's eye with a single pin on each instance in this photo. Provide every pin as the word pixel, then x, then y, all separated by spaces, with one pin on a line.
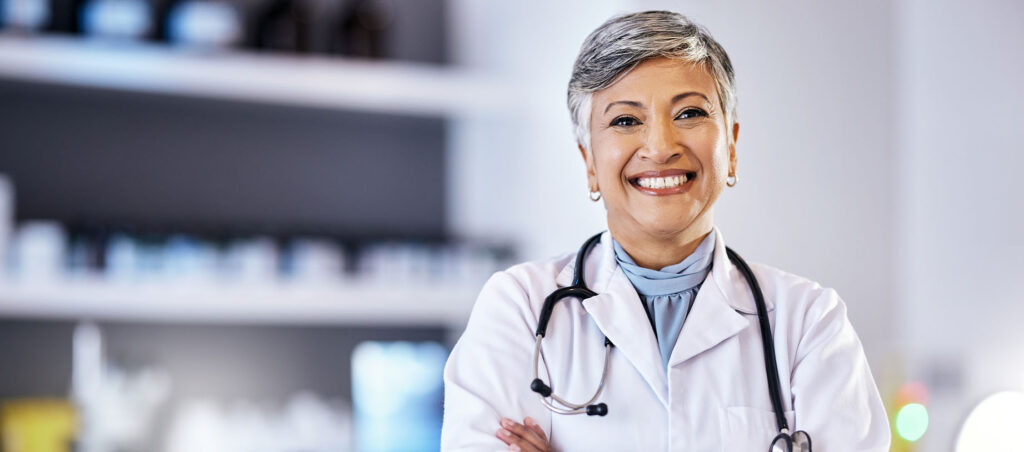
pixel 691 113
pixel 625 121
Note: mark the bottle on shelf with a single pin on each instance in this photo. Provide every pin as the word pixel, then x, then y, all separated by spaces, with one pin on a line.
pixel 203 24
pixel 6 217
pixel 65 16
pixel 282 25
pixel 361 29
pixel 124 20
pixel 38 251
pixel 24 15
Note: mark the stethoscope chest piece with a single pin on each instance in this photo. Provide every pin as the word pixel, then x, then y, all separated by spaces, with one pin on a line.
pixel 798 441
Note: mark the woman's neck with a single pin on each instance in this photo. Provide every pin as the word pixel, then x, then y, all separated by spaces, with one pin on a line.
pixel 657 251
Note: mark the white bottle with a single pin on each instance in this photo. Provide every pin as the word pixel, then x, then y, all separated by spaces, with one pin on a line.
pixel 38 250
pixel 6 220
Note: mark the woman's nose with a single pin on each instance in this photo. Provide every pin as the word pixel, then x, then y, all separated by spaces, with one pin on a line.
pixel 662 144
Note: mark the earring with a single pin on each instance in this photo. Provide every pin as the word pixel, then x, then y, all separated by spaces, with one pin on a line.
pixel 732 180
pixel 595 198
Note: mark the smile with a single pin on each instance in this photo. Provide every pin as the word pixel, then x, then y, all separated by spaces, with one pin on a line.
pixel 663 182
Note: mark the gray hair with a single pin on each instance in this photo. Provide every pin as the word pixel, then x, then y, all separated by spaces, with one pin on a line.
pixel 623 42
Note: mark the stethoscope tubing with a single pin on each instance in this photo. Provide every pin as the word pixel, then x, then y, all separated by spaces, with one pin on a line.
pixel 571 408
pixel 767 341
pixel 579 290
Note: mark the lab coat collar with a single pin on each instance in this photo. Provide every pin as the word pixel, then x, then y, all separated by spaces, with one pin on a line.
pixel 728 281
pixel 598 268
pixel 716 313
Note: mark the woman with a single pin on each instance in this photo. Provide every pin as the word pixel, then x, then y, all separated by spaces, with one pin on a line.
pixel 653 102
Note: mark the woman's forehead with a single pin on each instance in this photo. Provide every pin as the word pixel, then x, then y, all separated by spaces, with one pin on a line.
pixel 659 79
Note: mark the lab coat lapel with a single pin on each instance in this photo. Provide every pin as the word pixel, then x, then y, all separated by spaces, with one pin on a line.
pixel 619 315
pixel 713 317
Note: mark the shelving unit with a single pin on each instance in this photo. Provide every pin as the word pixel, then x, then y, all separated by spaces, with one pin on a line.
pixel 276 78
pixel 314 81
pixel 295 80
pixel 274 303
pixel 236 340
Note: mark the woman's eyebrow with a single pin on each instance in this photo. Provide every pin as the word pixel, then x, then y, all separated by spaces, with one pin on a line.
pixel 631 103
pixel 676 98
pixel 681 96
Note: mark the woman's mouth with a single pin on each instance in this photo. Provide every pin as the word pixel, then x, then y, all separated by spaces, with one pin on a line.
pixel 663 182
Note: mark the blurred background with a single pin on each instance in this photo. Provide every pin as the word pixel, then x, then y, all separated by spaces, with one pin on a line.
pixel 260 225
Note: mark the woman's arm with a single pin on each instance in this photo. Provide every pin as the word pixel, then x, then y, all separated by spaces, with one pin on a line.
pixel 834 395
pixel 489 371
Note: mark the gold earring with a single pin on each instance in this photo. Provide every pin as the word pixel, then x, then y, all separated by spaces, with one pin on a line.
pixel 732 180
pixel 593 198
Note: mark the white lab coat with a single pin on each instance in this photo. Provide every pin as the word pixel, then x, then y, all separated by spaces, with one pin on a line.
pixel 714 396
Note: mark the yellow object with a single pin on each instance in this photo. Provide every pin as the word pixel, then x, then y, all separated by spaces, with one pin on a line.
pixel 37 425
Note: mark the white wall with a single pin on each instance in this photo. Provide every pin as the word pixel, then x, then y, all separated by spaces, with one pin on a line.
pixel 961 118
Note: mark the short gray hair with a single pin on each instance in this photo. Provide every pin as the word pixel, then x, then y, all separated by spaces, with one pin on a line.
pixel 623 42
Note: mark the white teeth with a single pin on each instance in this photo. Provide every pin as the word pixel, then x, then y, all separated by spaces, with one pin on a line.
pixel 662 182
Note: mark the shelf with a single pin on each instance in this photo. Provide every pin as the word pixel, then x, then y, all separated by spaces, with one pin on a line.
pixel 314 81
pixel 276 303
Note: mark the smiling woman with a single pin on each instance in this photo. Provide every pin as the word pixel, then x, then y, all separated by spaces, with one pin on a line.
pixel 688 346
pixel 661 150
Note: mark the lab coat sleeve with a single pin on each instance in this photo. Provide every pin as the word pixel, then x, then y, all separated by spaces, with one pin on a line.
pixel 834 394
pixel 489 371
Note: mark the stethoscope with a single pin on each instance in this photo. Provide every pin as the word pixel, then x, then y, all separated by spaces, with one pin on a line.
pixel 798 441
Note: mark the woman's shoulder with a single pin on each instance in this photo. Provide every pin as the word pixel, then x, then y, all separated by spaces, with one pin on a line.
pixel 794 292
pixel 528 278
pixel 773 277
pixel 520 289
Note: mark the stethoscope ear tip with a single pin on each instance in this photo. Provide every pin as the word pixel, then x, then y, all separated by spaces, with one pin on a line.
pixel 599 409
pixel 539 387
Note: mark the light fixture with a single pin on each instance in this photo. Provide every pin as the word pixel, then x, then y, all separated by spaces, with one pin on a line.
pixel 994 425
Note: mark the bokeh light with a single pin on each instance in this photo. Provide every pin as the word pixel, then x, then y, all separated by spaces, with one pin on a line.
pixel 912 422
pixel 912 392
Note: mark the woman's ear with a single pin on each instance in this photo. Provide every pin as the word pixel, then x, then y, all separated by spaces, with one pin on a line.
pixel 588 160
pixel 732 147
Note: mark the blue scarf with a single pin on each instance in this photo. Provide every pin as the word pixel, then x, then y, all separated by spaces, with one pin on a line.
pixel 669 292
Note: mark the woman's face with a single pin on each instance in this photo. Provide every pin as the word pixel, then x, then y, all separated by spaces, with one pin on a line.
pixel 660 152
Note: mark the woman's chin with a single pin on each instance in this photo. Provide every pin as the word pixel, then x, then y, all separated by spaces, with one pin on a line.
pixel 655 221
pixel 662 226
